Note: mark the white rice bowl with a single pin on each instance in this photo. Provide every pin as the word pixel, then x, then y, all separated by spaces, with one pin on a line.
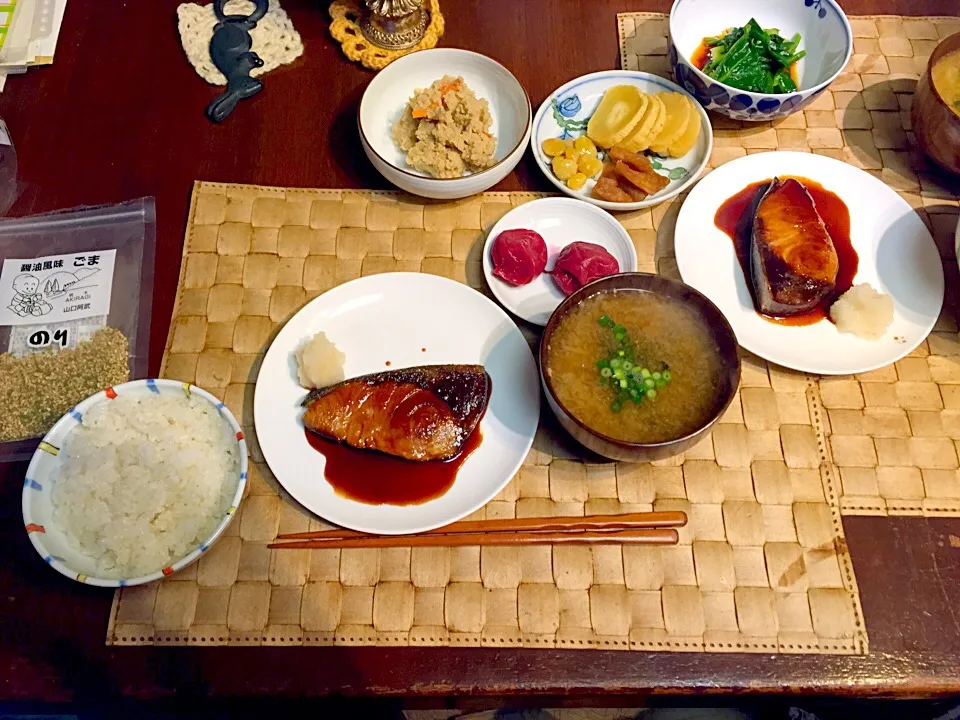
pixel 144 480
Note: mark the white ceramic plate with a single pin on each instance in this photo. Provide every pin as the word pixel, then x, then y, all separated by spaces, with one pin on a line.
pixel 45 533
pixel 897 257
pixel 560 221
pixel 565 114
pixel 390 318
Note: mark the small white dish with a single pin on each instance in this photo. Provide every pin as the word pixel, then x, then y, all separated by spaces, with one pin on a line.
pixel 897 256
pixel 825 34
pixel 387 94
pixel 404 319
pixel 564 114
pixel 560 221
pixel 50 541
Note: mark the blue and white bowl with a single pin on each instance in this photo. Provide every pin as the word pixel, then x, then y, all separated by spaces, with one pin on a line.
pixel 38 511
pixel 567 110
pixel 825 35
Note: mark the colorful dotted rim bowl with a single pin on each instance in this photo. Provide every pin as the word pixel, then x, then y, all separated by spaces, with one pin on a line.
pixel 38 517
pixel 825 35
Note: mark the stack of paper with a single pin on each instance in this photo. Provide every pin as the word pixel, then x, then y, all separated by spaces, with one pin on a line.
pixel 28 34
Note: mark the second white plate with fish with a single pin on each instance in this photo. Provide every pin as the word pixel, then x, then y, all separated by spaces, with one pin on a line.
pixel 896 255
pixel 388 322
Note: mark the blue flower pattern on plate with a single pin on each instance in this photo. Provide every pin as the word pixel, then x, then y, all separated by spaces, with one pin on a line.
pixel 564 112
pixel 818 4
pixel 569 106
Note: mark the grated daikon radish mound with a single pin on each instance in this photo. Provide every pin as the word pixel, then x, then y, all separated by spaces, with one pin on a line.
pixel 862 311
pixel 319 363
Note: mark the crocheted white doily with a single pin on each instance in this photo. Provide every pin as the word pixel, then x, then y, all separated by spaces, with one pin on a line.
pixel 274 38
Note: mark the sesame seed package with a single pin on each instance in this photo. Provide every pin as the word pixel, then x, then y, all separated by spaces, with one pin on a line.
pixel 76 289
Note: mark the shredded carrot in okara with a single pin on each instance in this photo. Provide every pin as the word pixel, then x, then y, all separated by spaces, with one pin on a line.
pixel 455 85
pixel 420 113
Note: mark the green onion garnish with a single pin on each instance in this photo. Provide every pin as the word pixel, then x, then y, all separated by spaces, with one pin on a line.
pixel 631 381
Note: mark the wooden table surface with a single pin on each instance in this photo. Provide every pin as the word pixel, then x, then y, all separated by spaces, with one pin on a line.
pixel 119 116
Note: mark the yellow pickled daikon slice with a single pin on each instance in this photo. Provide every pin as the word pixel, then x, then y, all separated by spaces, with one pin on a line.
pixel 690 136
pixel 677 117
pixel 618 113
pixel 650 124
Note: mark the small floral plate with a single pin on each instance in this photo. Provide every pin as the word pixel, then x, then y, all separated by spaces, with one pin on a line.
pixel 566 112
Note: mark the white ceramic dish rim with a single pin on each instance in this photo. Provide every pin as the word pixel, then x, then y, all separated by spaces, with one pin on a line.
pixel 497 285
pixel 626 74
pixel 802 91
pixel 524 137
pixel 193 555
pixel 956 241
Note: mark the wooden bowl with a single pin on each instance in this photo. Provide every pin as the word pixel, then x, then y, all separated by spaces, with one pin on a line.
pixel 725 346
pixel 937 127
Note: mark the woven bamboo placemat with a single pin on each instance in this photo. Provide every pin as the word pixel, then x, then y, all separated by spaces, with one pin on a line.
pixel 894 434
pixel 762 566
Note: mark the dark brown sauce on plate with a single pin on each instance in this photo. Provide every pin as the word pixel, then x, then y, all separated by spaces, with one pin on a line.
pixel 701 56
pixel 735 218
pixel 377 479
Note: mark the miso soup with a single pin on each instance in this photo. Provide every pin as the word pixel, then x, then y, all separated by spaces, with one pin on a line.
pixel 946 79
pixel 635 366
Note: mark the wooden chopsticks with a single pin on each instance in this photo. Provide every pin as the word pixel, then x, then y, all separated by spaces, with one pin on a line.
pixel 656 528
pixel 638 536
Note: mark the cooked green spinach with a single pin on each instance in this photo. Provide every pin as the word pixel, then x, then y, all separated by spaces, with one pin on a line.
pixel 753 59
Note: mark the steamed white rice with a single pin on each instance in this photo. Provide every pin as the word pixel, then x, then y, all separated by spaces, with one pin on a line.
pixel 144 480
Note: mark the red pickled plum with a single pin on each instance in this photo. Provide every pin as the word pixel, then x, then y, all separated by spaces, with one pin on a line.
pixel 580 263
pixel 518 256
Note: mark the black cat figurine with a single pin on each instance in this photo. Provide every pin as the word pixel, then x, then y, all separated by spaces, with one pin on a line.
pixel 231 51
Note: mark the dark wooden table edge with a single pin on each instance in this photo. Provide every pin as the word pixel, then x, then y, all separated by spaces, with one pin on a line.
pixel 489 672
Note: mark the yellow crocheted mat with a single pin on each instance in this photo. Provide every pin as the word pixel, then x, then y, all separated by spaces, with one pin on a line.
pixel 893 434
pixel 346 30
pixel 761 567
